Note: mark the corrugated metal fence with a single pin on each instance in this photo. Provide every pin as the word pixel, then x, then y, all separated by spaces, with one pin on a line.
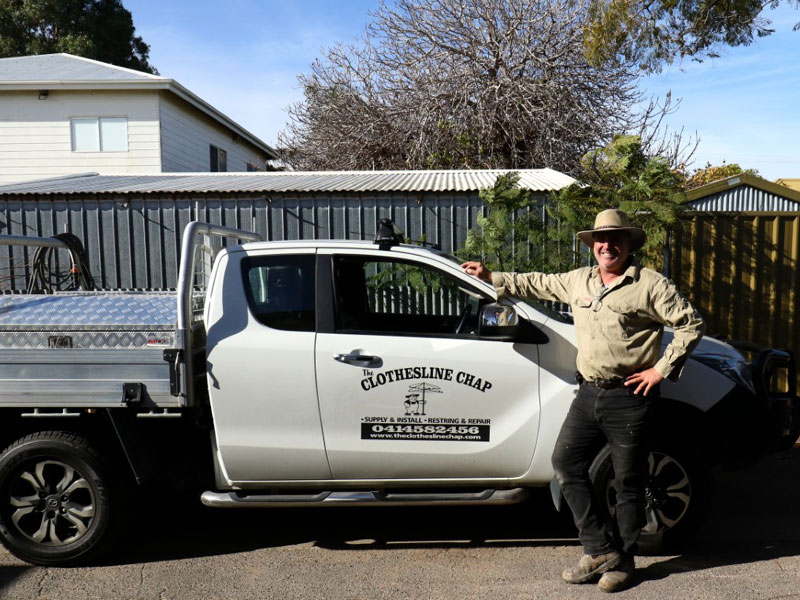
pixel 741 271
pixel 134 241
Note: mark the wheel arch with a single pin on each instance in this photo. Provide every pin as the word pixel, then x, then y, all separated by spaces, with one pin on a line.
pixel 678 421
pixel 96 427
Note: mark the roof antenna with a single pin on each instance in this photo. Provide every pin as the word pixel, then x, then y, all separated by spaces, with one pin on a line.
pixel 388 234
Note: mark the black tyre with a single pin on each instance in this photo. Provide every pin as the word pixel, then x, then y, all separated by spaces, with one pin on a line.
pixel 678 493
pixel 54 499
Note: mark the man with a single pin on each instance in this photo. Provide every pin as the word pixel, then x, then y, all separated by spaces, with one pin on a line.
pixel 620 310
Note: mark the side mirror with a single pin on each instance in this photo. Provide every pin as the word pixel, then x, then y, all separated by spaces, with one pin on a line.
pixel 498 322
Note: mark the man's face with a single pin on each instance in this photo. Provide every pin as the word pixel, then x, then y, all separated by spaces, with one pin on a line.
pixel 612 249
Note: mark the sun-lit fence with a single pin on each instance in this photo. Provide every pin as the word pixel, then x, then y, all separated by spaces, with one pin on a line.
pixel 741 271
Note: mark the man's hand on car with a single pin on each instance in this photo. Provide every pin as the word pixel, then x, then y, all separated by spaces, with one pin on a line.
pixel 473 267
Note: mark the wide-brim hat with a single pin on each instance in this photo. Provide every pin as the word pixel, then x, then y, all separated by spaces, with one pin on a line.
pixel 614 219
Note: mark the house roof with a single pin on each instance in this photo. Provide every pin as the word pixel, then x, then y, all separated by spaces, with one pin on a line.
pixel 68 72
pixel 63 68
pixel 743 192
pixel 793 183
pixel 539 180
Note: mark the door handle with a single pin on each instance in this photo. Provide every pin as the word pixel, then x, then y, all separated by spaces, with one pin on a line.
pixel 366 361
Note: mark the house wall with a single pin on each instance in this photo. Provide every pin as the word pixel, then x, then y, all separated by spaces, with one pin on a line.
pixel 186 134
pixel 35 134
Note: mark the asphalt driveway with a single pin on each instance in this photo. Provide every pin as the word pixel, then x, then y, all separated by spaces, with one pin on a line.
pixel 750 548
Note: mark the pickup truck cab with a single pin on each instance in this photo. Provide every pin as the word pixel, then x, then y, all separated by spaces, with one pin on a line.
pixel 349 373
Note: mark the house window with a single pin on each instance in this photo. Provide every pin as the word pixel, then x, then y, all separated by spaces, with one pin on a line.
pixel 219 159
pixel 104 134
pixel 251 167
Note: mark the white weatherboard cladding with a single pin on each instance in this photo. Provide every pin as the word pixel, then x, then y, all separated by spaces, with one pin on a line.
pixel 262 388
pixel 35 134
pixel 186 134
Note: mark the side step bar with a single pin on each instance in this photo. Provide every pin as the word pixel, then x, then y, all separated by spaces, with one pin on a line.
pixel 362 498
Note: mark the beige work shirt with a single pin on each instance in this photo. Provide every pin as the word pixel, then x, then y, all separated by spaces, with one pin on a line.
pixel 619 328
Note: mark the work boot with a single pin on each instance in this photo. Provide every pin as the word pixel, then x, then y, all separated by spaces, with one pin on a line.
pixel 590 567
pixel 619 577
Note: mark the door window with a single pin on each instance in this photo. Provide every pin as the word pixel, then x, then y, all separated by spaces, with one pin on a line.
pixel 280 290
pixel 397 297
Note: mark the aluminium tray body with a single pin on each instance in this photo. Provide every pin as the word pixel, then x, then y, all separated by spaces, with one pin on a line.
pixel 72 349
pixel 89 320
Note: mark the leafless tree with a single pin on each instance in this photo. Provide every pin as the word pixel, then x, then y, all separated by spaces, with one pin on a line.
pixel 659 140
pixel 462 84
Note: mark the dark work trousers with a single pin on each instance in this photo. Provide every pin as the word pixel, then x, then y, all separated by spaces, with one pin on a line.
pixel 625 421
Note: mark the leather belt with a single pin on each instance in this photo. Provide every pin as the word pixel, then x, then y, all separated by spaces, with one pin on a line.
pixel 603 384
pixel 607 384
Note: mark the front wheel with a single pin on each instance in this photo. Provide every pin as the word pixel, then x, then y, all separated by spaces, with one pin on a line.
pixel 677 494
pixel 54 500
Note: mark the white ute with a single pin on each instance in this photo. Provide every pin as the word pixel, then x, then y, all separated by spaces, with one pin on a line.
pixel 316 373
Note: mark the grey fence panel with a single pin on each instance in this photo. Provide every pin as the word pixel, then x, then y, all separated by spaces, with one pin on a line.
pixel 134 241
pixel 12 257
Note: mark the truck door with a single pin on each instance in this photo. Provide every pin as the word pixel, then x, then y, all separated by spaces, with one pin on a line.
pixel 260 348
pixel 406 388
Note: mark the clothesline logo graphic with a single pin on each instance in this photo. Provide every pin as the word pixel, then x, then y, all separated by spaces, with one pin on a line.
pixel 415 399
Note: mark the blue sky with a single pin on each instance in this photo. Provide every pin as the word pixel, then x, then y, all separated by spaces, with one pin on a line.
pixel 744 105
pixel 243 57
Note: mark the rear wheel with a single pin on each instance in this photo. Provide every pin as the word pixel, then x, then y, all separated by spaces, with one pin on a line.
pixel 677 494
pixel 54 499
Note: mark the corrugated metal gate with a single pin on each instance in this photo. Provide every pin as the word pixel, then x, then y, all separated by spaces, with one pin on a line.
pixel 741 271
pixel 134 241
